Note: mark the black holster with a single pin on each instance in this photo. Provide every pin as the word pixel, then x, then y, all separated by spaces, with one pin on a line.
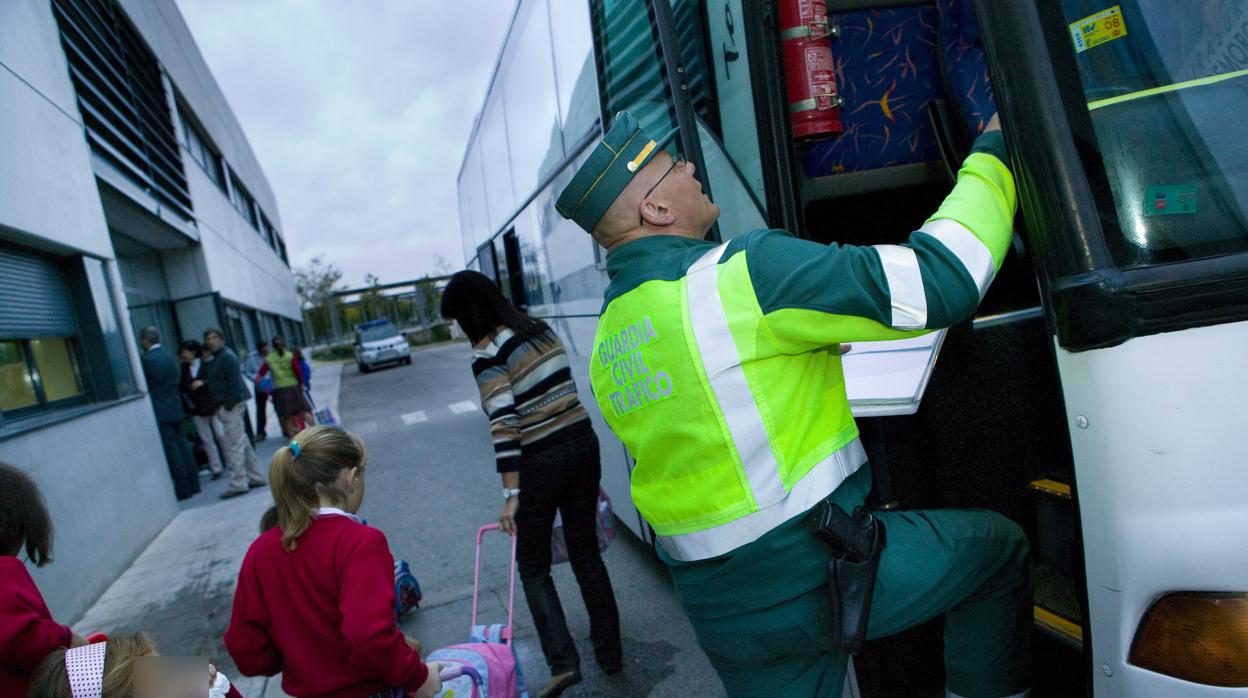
pixel 856 543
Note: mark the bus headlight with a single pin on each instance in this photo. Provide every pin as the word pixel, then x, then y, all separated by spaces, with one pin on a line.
pixel 1198 637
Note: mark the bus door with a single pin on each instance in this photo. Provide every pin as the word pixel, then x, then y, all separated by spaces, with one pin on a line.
pixel 1124 122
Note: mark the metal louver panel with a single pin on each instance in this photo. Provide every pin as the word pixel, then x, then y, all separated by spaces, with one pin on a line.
pixel 34 298
pixel 121 96
pixel 632 68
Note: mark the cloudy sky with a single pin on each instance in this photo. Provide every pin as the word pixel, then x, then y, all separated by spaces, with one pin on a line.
pixel 359 113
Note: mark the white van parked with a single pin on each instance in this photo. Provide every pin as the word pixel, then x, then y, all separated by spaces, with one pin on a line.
pixel 379 342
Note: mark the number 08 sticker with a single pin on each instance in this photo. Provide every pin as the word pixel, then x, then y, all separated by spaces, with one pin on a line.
pixel 1094 30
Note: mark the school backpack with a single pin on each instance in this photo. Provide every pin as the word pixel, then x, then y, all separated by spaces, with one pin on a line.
pixel 406 589
pixel 495 664
pixel 495 634
pixel 489 650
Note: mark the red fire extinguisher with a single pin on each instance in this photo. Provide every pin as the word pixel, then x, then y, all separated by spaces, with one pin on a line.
pixel 806 37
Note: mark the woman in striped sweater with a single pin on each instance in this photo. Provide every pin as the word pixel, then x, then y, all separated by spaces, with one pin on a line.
pixel 544 445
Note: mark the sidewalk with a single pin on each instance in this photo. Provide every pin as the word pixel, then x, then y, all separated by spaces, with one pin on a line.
pixel 180 590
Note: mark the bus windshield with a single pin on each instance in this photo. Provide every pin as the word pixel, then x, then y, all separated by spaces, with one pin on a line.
pixel 1166 85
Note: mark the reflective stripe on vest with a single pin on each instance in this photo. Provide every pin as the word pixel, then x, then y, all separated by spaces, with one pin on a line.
pixel 723 370
pixel 722 362
pixel 905 286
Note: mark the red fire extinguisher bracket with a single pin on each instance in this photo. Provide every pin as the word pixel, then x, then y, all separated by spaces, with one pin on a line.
pixel 806 39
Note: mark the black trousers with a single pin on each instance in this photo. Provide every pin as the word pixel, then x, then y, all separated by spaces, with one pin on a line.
pixel 180 458
pixel 563 476
pixel 262 406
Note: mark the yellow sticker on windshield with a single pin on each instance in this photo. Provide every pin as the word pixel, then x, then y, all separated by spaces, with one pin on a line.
pixel 1094 30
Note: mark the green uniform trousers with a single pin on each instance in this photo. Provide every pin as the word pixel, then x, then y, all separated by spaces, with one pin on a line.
pixel 761 612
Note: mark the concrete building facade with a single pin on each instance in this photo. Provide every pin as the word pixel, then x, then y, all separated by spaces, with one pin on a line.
pixel 129 196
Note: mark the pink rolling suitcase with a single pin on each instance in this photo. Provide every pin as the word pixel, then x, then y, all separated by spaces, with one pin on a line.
pixel 485 667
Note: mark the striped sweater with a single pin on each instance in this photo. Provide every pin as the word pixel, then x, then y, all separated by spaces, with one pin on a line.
pixel 527 391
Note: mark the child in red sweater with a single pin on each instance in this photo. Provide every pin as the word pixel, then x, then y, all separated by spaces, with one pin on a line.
pixel 315 595
pixel 27 631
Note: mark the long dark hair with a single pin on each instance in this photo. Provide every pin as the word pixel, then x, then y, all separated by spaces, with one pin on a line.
pixel 474 301
pixel 24 519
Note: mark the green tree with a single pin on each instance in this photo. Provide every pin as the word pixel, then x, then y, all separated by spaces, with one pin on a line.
pixel 316 283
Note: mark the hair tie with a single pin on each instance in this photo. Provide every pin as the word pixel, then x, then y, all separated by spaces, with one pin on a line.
pixel 85 666
pixel 294 448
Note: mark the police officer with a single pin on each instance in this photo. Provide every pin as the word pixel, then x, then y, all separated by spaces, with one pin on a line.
pixel 718 366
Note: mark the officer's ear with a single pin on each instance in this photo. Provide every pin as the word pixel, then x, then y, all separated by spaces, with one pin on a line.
pixel 657 213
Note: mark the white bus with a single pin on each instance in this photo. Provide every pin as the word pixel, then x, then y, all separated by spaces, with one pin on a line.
pixel 1099 396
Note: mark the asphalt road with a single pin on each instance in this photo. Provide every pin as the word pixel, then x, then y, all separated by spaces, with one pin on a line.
pixel 431 483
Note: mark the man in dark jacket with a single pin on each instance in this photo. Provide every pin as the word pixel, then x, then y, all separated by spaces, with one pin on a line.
pixel 229 393
pixel 197 401
pixel 164 387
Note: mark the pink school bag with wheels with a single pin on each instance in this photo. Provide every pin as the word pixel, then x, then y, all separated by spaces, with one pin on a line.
pixel 487 663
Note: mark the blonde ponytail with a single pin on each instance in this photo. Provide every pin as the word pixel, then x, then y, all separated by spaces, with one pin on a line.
pixel 295 498
pixel 304 469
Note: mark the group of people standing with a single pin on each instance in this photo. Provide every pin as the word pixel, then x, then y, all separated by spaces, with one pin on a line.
pixel 284 378
pixel 208 384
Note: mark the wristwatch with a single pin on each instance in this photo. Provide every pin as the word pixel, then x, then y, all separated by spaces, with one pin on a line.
pixel 508 493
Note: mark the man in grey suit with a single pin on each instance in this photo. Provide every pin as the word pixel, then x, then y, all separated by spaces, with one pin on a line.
pixel 229 393
pixel 164 386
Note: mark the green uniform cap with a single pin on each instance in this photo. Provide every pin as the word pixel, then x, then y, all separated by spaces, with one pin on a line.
pixel 620 155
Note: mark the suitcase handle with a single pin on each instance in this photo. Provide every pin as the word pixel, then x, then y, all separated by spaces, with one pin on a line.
pixel 476 581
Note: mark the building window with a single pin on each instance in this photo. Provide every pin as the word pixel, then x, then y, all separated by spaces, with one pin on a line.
pixel 236 332
pixel 243 201
pixel 268 326
pixel 38 374
pixel 202 150
pixel 268 232
pixel 121 96
pixel 39 358
pixel 281 251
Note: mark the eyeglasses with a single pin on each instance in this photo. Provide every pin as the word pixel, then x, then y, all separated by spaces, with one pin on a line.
pixel 678 161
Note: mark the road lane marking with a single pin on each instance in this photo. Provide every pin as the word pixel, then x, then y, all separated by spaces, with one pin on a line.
pixel 365 428
pixel 415 418
pixel 463 407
